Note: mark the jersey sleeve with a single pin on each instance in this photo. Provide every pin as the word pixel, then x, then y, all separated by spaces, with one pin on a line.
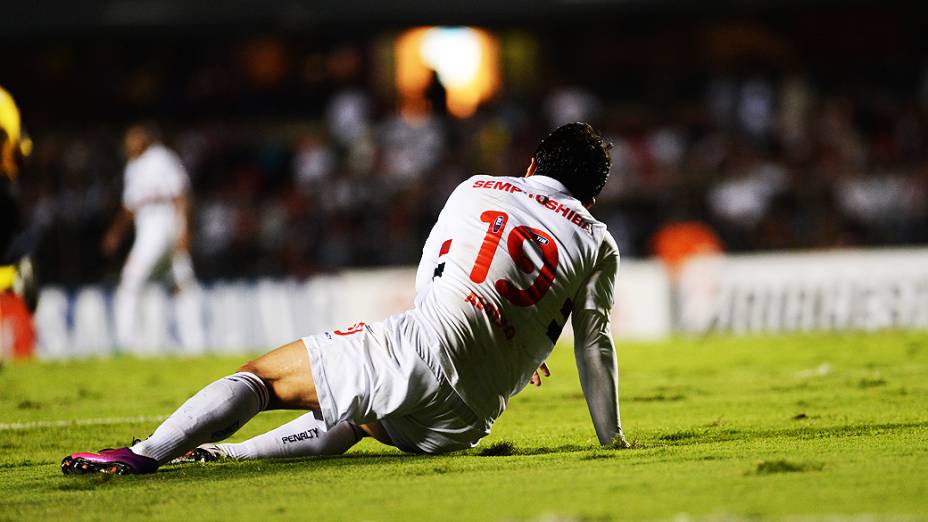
pixel 598 291
pixel 594 349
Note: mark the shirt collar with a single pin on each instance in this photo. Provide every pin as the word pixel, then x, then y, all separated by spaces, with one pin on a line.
pixel 549 182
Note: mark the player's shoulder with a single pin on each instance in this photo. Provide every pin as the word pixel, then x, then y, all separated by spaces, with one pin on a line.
pixel 489 181
pixel 479 184
pixel 608 245
pixel 159 153
pixel 168 152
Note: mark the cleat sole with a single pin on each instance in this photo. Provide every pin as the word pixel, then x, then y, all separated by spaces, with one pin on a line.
pixel 80 466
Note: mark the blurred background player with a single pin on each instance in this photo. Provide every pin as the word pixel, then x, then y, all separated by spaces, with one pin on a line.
pixel 17 285
pixel 155 198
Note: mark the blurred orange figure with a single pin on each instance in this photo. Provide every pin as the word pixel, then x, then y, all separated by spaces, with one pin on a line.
pixel 676 242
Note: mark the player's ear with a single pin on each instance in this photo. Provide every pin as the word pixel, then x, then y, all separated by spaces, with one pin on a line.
pixel 531 168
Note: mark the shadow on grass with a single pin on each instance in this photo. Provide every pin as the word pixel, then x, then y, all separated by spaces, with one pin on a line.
pixel 709 434
pixel 222 471
pixel 404 464
pixel 770 467
pixel 660 397
pixel 25 463
pixel 506 448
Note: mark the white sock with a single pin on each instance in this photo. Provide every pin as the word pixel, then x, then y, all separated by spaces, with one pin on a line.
pixel 302 437
pixel 214 413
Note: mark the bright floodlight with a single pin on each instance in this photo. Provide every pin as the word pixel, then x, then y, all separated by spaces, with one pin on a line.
pixel 454 53
pixel 466 60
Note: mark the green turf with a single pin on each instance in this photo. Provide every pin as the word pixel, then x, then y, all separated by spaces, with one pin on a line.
pixel 793 427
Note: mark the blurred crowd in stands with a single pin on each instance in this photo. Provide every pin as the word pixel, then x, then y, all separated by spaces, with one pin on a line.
pixel 336 177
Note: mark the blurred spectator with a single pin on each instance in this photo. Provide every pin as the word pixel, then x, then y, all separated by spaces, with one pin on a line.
pixel 744 196
pixel 412 144
pixel 570 103
pixel 313 162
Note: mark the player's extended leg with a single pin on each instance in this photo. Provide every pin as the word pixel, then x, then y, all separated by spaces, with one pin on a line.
pixel 281 379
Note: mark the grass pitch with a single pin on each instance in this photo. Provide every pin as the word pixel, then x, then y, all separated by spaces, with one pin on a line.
pixel 792 427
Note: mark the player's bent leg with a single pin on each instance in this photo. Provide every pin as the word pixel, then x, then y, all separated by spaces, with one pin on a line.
pixel 305 436
pixel 378 432
pixel 287 374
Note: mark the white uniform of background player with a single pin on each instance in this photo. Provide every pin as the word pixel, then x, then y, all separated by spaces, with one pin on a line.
pixel 155 196
pixel 507 264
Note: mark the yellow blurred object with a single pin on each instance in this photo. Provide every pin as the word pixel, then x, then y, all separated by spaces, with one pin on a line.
pixel 7 277
pixel 14 143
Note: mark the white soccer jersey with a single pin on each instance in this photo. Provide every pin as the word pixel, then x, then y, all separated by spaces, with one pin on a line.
pixel 504 266
pixel 152 181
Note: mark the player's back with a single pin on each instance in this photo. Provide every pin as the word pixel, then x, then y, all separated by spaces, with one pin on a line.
pixel 506 259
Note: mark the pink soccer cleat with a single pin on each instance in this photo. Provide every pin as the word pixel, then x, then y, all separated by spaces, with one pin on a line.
pixel 120 461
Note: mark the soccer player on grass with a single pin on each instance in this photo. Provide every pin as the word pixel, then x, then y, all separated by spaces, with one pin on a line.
pixel 508 262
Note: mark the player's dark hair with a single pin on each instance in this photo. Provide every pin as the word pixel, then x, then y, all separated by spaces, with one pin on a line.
pixel 578 157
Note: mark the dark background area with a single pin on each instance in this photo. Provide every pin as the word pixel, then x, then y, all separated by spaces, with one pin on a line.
pixel 779 125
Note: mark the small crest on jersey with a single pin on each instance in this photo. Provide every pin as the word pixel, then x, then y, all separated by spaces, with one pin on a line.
pixel 541 240
pixel 498 224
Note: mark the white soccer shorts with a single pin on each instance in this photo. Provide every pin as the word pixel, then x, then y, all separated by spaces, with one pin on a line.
pixel 380 372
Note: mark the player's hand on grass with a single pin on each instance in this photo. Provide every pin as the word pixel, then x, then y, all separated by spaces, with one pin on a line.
pixel 619 442
pixel 536 378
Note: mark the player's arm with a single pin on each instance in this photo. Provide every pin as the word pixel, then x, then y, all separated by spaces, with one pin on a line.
pixel 182 204
pixel 594 348
pixel 177 185
pixel 117 231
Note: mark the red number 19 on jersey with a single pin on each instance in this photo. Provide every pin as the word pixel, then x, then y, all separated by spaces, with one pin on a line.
pixel 515 245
